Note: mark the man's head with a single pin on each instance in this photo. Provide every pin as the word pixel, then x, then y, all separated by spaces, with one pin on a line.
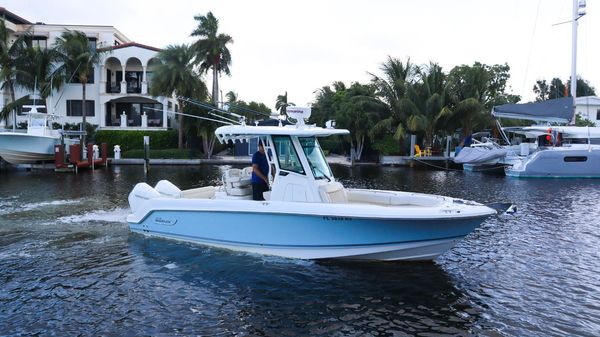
pixel 261 148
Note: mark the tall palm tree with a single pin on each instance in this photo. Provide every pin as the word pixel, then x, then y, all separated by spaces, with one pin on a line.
pixel 428 101
pixel 11 53
pixel 40 73
pixel 392 88
pixel 282 103
pixel 211 50
pixel 79 58
pixel 175 74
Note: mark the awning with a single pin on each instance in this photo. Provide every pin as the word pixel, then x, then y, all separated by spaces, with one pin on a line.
pixel 558 110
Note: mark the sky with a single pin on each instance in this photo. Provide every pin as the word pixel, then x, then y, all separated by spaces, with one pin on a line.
pixel 300 46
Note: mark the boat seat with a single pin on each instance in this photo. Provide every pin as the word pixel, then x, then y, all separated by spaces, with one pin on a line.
pixel 385 198
pixel 236 178
pixel 333 192
pixel 247 171
pixel 237 182
pixel 166 189
pixel 207 192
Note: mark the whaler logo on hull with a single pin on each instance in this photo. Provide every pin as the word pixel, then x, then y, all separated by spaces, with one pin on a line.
pixel 165 222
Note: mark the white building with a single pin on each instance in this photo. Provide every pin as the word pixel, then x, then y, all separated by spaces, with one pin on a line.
pixel 589 108
pixel 117 95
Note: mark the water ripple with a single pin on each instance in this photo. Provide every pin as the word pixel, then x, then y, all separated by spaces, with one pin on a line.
pixel 69 266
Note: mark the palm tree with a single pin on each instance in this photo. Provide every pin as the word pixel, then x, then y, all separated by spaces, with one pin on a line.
pixel 40 72
pixel 175 74
pixel 357 109
pixel 211 50
pixel 78 57
pixel 11 53
pixel 428 101
pixel 392 87
pixel 282 103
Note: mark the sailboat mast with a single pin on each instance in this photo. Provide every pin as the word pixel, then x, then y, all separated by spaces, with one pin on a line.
pixel 578 12
pixel 574 50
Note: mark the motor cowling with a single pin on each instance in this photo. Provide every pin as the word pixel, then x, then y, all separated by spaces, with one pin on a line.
pixel 140 193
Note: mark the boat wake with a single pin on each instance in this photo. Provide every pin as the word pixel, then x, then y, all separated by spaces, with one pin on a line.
pixel 12 206
pixel 115 215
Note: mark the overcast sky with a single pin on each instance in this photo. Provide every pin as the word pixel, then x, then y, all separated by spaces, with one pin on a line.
pixel 301 46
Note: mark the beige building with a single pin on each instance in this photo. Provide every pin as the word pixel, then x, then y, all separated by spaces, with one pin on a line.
pixel 117 96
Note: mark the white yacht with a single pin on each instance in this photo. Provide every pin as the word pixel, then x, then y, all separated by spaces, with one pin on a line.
pixel 33 146
pixel 307 214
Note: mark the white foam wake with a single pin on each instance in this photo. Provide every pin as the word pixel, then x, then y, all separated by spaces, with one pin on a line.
pixel 15 207
pixel 113 215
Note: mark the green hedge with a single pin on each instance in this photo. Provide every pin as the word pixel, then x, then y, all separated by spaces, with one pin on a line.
pixel 134 140
pixel 163 154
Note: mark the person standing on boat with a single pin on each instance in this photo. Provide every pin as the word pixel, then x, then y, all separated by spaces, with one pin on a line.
pixel 260 171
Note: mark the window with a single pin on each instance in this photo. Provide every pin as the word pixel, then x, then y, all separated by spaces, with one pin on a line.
pixel 316 159
pixel 90 79
pixel 286 154
pixel 92 42
pixel 74 108
pixel 37 41
pixel 575 159
pixel 598 115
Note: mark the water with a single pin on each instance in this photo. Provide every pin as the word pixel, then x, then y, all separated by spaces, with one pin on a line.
pixel 69 266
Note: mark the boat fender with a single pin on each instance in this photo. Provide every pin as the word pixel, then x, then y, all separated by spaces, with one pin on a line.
pixel 140 193
pixel 168 189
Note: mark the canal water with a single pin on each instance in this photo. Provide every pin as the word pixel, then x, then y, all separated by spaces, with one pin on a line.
pixel 69 266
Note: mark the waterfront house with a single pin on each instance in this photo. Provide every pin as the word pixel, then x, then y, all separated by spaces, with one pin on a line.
pixel 117 95
pixel 589 108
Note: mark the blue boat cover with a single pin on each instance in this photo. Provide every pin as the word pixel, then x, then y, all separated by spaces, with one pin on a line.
pixel 559 110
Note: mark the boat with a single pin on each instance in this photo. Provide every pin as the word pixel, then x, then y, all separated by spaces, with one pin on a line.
pixel 307 214
pixel 547 149
pixel 33 146
pixel 562 152
pixel 484 154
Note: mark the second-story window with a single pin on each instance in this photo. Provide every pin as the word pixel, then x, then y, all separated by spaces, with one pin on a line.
pixel 37 42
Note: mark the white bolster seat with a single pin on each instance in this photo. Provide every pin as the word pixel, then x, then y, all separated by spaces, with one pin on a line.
pixel 333 192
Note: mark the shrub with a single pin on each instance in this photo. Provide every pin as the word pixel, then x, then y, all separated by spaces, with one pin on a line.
pixel 386 145
pixel 134 140
pixel 163 154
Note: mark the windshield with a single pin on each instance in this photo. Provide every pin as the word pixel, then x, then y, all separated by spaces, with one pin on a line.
pixel 316 159
pixel 286 154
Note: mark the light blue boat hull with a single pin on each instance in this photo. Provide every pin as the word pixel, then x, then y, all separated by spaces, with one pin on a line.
pixel 309 236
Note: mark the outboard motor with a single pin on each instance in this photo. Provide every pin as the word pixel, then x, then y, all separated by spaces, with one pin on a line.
pixel 140 193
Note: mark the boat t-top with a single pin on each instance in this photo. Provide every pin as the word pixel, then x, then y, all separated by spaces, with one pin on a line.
pixel 307 214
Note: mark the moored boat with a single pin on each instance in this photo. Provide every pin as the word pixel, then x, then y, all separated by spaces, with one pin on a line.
pixel 33 146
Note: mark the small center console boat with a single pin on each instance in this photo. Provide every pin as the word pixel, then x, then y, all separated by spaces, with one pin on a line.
pixel 307 214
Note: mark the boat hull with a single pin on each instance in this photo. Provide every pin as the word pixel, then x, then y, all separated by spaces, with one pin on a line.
pixel 310 236
pixel 559 163
pixel 22 148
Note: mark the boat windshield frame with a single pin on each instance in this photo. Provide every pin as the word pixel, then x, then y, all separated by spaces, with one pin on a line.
pixel 315 157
